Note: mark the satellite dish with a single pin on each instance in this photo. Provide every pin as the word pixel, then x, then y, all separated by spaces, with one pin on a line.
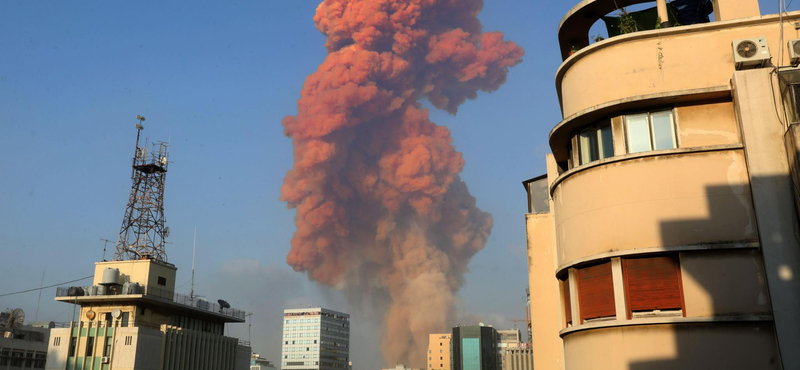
pixel 116 313
pixel 223 303
pixel 15 319
pixel 90 315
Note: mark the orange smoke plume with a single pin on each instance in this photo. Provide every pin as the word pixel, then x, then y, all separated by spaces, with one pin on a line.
pixel 380 204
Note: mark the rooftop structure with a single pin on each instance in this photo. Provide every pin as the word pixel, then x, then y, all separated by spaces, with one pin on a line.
pixel 131 318
pixel 663 234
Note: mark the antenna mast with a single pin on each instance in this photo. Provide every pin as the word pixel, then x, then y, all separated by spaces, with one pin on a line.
pixel 194 248
pixel 143 233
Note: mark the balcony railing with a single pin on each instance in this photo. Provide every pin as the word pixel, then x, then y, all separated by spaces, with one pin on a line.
pixel 182 299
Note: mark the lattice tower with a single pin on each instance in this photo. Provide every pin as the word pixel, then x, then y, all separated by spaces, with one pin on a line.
pixel 143 233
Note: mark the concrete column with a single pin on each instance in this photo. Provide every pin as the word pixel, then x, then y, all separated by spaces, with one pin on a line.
pixel 773 201
pixel 575 301
pixel 661 5
pixel 619 289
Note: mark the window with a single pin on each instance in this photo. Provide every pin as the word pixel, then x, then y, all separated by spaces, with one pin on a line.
pixel 107 348
pixel 653 285
pixel 596 292
pixel 72 342
pixel 128 340
pixel 650 131
pixel 124 321
pixel 567 302
pixel 162 281
pixel 109 319
pixel 89 346
pixel 595 143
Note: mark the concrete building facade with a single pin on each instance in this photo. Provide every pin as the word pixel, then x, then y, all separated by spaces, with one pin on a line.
pixel 439 351
pixel 474 348
pixel 131 319
pixel 315 338
pixel 512 353
pixel 664 234
pixel 24 347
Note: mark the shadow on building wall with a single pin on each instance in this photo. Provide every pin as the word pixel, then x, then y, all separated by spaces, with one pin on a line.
pixel 725 287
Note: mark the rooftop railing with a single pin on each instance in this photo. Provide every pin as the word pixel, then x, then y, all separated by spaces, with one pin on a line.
pixel 182 299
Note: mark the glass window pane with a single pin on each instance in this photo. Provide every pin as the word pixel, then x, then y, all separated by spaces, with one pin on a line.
pixel 663 131
pixel 638 133
pixel 588 146
pixel 605 142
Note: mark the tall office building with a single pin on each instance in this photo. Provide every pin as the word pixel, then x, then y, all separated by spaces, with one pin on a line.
pixel 439 351
pixel 475 348
pixel 315 339
pixel 664 233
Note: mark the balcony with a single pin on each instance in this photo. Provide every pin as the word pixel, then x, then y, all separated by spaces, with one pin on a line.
pixel 157 294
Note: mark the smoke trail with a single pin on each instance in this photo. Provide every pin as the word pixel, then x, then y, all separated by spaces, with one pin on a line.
pixel 381 209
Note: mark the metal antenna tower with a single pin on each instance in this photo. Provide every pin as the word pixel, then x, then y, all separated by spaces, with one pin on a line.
pixel 143 233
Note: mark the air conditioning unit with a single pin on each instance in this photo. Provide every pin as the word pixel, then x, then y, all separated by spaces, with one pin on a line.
pixel 751 53
pixel 794 52
pixel 105 360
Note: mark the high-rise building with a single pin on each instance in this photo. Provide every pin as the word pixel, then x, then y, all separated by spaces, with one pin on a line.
pixel 664 233
pixel 474 348
pixel 439 351
pixel 315 339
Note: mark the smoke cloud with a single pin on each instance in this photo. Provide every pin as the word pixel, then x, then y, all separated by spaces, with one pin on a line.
pixel 382 213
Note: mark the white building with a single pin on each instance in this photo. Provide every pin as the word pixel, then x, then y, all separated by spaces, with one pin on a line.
pixel 315 339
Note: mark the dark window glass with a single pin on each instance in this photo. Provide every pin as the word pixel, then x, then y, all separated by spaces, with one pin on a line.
pixel 124 321
pixel 72 342
pixel 162 281
pixel 89 346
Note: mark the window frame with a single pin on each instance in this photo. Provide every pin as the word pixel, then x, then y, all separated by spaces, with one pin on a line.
pixel 625 283
pixel 595 128
pixel 673 120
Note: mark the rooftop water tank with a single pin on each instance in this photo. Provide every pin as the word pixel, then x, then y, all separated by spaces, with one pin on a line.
pixel 110 276
pixel 202 304
pixel 92 290
pixel 102 290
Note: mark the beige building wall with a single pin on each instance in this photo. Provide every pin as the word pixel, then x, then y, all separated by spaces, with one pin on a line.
pixel 720 202
pixel 517 358
pixel 144 272
pixel 439 351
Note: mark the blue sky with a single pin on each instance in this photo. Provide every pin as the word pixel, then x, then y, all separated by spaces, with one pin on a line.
pixel 217 78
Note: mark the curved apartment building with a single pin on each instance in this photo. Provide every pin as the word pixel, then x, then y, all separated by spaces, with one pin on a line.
pixel 665 232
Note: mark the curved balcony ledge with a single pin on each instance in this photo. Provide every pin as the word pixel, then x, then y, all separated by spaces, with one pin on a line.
pixel 560 134
pixel 668 36
pixel 575 25
pixel 659 249
pixel 628 157
pixel 664 320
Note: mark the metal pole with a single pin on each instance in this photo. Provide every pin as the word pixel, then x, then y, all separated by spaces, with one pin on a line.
pixel 36 317
pixel 194 249
pixel 662 13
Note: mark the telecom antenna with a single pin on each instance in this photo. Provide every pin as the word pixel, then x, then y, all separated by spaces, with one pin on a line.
pixel 143 233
